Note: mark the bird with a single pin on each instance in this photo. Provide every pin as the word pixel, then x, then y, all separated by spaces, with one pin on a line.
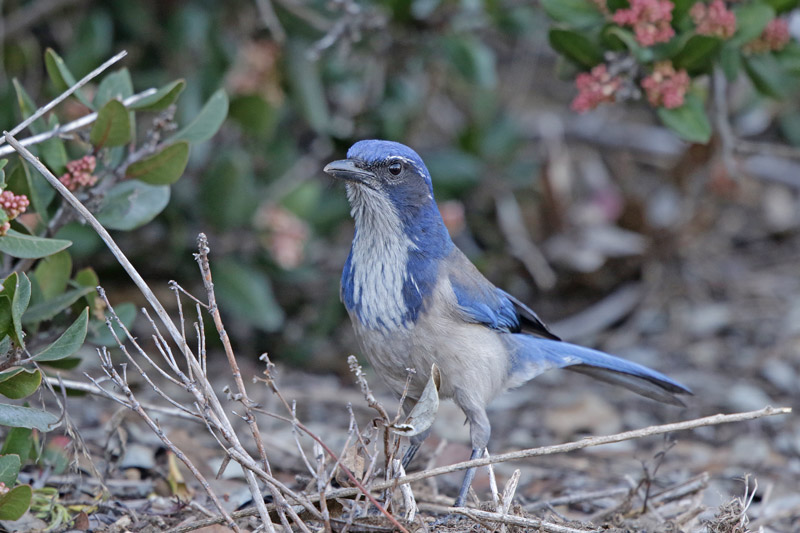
pixel 414 300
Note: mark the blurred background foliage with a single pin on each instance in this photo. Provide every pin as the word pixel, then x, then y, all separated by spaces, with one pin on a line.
pixel 470 84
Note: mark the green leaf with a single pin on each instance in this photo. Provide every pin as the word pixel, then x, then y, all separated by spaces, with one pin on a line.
pixel 117 85
pixel 53 273
pixel 19 383
pixel 112 127
pixel 680 11
pixel 14 299
pixel 254 114
pixel 575 13
pixel 53 152
pixel 50 308
pixel 99 333
pixel 69 342
pixel 9 469
pixel 767 75
pixel 163 98
pixel 641 53
pixel 781 6
pixel 308 92
pixel 208 121
pixel 3 163
pixel 26 417
pixel 162 168
pixel 131 204
pixel 19 441
pixel 789 58
pixel 731 62
pixel 689 121
pixel 87 277
pixel 698 54
pixel 27 107
pixel 24 246
pixel 34 185
pixel 751 19
pixel 61 77
pixel 16 502
pixel 472 59
pixel 575 47
pixel 247 293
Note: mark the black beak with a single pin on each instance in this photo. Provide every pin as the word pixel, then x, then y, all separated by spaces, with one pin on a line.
pixel 346 170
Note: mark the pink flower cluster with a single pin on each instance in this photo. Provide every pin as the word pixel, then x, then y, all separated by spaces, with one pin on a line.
pixel 714 19
pixel 666 87
pixel 650 20
pixel 79 173
pixel 774 37
pixel 14 205
pixel 594 88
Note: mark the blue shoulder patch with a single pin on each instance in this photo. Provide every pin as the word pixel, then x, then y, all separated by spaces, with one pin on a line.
pixel 487 306
pixel 347 289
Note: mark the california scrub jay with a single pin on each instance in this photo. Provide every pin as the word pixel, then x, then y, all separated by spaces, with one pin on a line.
pixel 415 299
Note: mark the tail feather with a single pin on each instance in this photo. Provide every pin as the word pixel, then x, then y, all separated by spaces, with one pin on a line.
pixel 531 356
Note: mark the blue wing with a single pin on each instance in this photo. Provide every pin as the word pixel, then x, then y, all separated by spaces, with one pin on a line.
pixel 482 303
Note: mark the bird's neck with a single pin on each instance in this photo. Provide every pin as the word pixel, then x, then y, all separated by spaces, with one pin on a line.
pixel 391 263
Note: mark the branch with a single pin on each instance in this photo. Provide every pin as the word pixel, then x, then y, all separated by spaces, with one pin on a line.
pixel 63 96
pixel 713 420
pixel 69 126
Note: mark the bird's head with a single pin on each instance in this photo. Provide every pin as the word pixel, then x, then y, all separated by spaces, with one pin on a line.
pixel 390 190
pixel 379 171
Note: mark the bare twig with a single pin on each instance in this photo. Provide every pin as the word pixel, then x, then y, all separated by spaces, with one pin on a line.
pixel 510 520
pixel 545 450
pixel 74 125
pixel 121 381
pixel 270 20
pixel 208 393
pixel 63 96
pixel 93 389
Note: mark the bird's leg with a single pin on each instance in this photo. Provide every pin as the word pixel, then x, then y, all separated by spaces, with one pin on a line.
pixel 468 476
pixel 479 432
pixel 415 443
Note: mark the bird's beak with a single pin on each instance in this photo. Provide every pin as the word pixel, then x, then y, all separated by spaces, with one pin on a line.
pixel 346 170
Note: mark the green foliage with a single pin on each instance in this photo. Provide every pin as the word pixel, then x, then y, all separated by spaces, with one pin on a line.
pixel 112 127
pixel 121 159
pixel 589 33
pixel 162 168
pixel 207 121
pixel 9 469
pixel 15 502
pixel 247 294
pixel 24 246
pixel 131 204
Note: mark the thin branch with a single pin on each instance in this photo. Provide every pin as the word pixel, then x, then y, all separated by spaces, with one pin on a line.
pixel 270 20
pixel 533 452
pixel 63 96
pixel 69 126
pixel 147 292
pixel 512 520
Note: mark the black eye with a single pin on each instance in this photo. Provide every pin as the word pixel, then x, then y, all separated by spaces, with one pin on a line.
pixel 395 168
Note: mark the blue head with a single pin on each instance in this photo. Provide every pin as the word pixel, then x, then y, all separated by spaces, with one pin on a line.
pixel 399 237
pixel 386 176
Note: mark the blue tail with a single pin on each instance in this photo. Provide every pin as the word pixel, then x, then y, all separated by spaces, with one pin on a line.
pixel 530 356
